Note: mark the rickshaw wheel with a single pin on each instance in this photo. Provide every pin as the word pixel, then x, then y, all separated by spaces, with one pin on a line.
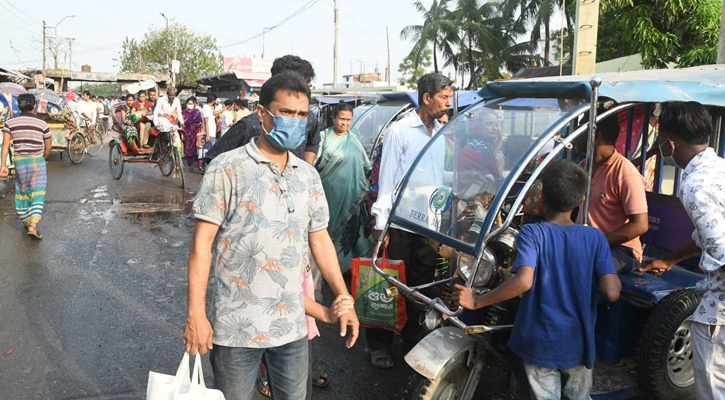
pixel 76 147
pixel 116 161
pixel 166 156
pixel 450 383
pixel 96 144
pixel 665 365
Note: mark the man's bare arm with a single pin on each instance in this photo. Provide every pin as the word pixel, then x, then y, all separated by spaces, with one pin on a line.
pixel 637 226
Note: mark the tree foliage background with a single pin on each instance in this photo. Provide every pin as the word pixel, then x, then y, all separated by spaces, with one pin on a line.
pixel 198 54
pixel 413 68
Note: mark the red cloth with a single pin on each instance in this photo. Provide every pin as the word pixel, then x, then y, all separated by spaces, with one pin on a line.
pixel 471 160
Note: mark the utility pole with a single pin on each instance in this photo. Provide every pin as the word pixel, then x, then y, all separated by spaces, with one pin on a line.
pixel 167 50
pixel 585 37
pixel 335 50
pixel 70 63
pixel 721 44
pixel 42 85
pixel 173 74
pixel 387 70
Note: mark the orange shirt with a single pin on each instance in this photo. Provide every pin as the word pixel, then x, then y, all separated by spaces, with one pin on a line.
pixel 617 191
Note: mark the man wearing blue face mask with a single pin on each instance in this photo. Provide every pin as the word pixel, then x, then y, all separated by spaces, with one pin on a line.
pixel 259 213
pixel 249 127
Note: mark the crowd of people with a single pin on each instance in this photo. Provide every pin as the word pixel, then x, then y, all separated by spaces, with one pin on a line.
pixel 283 205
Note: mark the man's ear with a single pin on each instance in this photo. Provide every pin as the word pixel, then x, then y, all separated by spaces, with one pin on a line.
pixel 260 113
pixel 426 99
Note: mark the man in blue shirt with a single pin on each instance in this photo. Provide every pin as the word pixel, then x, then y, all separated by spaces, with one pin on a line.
pixel 560 266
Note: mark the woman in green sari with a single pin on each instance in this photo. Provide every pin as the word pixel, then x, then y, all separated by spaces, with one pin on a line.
pixel 344 166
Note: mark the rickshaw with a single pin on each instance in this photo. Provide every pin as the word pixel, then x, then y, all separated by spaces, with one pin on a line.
pixel 9 109
pixel 643 340
pixel 165 150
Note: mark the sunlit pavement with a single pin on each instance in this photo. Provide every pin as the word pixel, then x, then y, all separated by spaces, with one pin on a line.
pixel 87 312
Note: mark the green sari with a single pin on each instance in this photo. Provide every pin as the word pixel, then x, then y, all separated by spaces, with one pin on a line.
pixel 343 166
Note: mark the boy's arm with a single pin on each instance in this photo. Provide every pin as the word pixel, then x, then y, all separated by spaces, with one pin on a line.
pixel 610 286
pixel 608 280
pixel 514 287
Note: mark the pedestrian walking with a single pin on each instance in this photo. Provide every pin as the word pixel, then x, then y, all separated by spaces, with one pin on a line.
pixel 192 131
pixel 683 142
pixel 263 211
pixel 32 144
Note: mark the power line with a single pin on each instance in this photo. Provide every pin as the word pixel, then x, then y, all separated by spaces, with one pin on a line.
pixel 19 17
pixel 18 27
pixel 302 9
pixel 375 38
pixel 32 18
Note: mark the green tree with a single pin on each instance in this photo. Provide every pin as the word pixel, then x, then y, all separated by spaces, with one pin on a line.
pixel 661 31
pixel 103 89
pixel 198 54
pixel 539 13
pixel 411 70
pixel 438 27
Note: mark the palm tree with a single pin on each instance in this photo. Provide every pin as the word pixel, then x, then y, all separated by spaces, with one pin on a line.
pixel 540 13
pixel 437 27
pixel 479 35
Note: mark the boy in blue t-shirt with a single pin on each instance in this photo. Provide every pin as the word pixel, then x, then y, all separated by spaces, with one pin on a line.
pixel 559 270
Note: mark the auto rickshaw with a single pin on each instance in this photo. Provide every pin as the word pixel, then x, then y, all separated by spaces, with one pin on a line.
pixel 643 340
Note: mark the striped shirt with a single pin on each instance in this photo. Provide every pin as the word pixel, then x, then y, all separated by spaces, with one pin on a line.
pixel 28 133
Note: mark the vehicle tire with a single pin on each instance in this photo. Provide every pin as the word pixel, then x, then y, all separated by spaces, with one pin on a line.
pixel 96 145
pixel 167 160
pixel 450 383
pixel 116 160
pixel 76 147
pixel 665 349
pixel 179 168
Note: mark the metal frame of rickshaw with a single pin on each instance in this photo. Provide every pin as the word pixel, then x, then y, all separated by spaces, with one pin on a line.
pixel 488 232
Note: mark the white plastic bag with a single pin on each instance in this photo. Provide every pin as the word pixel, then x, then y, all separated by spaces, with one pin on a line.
pixel 163 387
pixel 197 390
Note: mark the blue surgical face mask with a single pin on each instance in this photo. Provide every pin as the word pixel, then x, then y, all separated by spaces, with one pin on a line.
pixel 287 133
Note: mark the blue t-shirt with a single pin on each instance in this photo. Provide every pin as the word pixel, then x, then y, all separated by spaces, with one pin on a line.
pixel 554 326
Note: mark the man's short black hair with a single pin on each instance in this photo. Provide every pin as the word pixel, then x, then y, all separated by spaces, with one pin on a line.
pixel 296 64
pixel 228 103
pixel 26 102
pixel 688 121
pixel 342 107
pixel 564 185
pixel 240 103
pixel 432 83
pixel 286 80
pixel 152 90
pixel 86 92
pixel 192 99
pixel 211 98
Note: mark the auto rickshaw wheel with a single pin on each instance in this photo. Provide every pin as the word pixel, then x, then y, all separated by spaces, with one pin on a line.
pixel 76 147
pixel 665 366
pixel 116 160
pixel 450 383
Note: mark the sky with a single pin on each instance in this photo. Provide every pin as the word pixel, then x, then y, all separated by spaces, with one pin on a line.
pixel 99 30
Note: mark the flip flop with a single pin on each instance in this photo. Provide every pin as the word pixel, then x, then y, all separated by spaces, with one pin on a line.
pixel 377 355
pixel 35 235
pixel 263 385
pixel 322 380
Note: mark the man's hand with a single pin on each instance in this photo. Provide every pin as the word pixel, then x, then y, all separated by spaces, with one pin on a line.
pixel 350 319
pixel 657 267
pixel 4 171
pixel 197 335
pixel 464 297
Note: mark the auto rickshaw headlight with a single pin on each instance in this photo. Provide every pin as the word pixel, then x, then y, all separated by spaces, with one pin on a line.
pixel 466 262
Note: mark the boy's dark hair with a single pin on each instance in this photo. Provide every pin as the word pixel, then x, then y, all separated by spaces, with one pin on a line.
pixel 688 121
pixel 239 103
pixel 564 185
pixel 86 92
pixel 210 98
pixel 296 64
pixel 288 81
pixel 228 103
pixel 141 92
pixel 26 102
pixel 131 96
pixel 152 90
pixel 342 107
pixel 432 83
pixel 192 98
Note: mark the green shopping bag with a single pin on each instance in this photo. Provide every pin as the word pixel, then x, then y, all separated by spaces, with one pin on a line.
pixel 373 307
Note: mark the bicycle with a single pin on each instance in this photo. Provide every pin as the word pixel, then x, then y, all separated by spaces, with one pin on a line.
pixel 82 141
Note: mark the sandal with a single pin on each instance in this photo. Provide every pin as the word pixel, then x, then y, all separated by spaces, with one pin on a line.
pixel 322 380
pixel 378 358
pixel 263 385
pixel 35 234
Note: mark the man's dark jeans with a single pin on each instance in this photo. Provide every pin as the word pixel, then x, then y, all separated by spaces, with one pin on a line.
pixel 235 370
pixel 420 264
pixel 624 259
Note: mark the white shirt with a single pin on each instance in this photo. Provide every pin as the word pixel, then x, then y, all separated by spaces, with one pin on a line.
pixel 227 121
pixel 163 107
pixel 403 140
pixel 703 195
pixel 89 108
pixel 208 112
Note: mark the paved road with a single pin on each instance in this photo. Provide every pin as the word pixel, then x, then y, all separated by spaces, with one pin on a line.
pixel 87 312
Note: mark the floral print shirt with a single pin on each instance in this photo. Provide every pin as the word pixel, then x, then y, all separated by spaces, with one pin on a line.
pixel 703 195
pixel 261 250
